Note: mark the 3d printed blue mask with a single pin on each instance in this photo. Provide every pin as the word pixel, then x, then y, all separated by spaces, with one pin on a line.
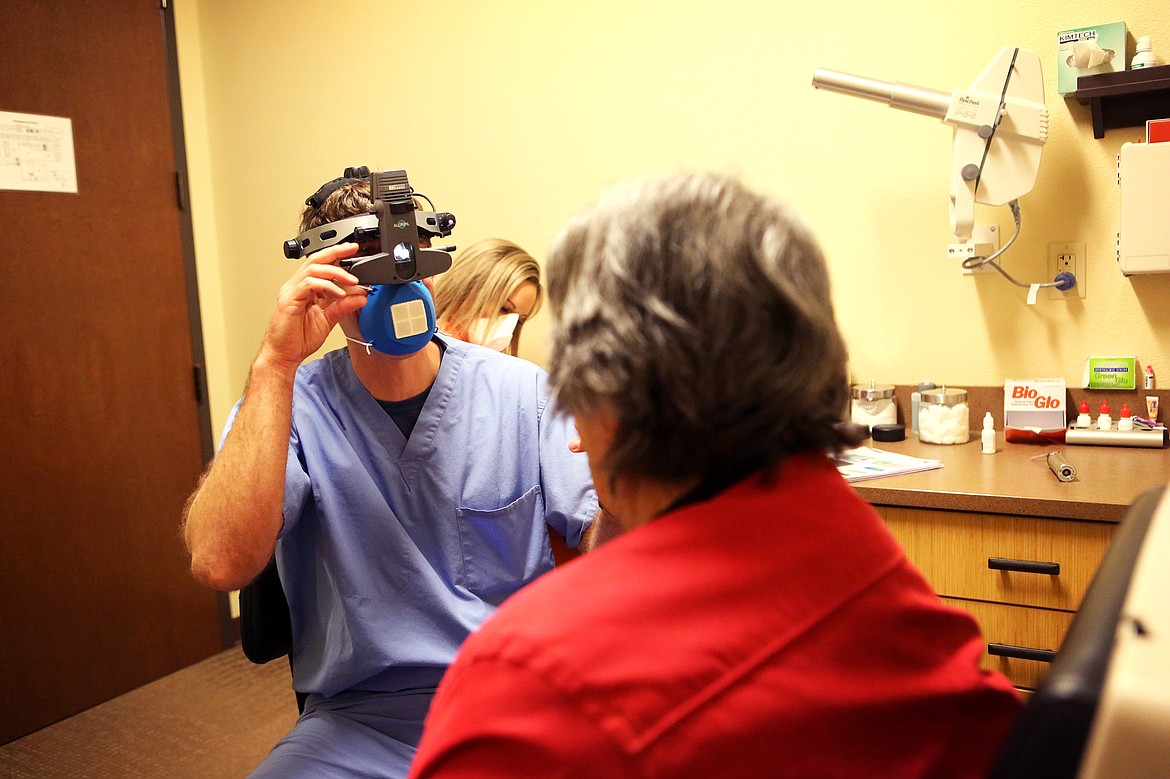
pixel 398 319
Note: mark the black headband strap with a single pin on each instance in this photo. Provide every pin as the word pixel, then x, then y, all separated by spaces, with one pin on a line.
pixel 350 176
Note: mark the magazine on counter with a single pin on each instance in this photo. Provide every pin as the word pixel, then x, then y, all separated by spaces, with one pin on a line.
pixel 865 463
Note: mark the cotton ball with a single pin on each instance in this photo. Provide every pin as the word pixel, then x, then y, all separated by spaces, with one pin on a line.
pixel 939 424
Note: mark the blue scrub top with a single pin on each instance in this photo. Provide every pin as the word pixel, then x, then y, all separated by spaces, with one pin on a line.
pixel 393 550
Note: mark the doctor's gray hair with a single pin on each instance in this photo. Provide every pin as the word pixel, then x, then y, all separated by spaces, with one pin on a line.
pixel 698 311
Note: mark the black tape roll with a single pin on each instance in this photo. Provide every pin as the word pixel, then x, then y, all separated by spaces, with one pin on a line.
pixel 893 432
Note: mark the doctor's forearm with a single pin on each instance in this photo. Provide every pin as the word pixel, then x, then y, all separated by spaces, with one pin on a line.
pixel 232 520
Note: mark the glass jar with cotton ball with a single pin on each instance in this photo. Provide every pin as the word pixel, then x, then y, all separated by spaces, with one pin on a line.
pixel 944 416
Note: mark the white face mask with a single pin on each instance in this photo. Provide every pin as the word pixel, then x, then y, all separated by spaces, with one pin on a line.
pixel 500 334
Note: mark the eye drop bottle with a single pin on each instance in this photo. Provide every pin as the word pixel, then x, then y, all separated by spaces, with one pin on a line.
pixel 1084 421
pixel 988 435
pixel 1104 421
pixel 1125 421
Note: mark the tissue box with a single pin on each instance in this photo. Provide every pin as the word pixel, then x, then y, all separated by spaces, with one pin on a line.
pixel 1087 51
pixel 1033 410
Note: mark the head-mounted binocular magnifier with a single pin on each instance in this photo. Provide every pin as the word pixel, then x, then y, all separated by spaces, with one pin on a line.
pixel 394 225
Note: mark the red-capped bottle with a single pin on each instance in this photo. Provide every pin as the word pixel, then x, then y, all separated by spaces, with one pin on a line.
pixel 1084 421
pixel 1125 421
pixel 1104 421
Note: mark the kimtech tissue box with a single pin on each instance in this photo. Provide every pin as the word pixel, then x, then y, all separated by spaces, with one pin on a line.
pixel 1087 51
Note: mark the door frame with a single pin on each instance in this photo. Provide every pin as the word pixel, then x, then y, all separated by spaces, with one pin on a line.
pixel 227 628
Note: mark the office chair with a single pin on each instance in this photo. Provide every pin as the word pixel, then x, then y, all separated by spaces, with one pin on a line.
pixel 1104 708
pixel 265 622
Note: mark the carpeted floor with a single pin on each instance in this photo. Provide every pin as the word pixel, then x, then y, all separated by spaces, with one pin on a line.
pixel 217 718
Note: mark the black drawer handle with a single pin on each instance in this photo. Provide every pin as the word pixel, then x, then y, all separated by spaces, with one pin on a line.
pixel 1022 566
pixel 1021 652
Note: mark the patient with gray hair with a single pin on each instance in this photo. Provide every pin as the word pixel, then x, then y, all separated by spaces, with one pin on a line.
pixel 754 617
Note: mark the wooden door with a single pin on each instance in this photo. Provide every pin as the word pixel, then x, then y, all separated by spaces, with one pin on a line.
pixel 103 424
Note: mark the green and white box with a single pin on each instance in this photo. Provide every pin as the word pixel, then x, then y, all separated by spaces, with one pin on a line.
pixel 1111 373
pixel 1087 51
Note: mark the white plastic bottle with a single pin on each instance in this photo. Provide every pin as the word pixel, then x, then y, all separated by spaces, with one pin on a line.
pixel 1104 421
pixel 1084 421
pixel 988 436
pixel 1125 421
pixel 1144 54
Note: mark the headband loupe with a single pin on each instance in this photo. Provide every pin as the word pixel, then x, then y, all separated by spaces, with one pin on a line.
pixel 399 315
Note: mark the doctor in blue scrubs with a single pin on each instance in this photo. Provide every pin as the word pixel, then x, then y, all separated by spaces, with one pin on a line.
pixel 406 487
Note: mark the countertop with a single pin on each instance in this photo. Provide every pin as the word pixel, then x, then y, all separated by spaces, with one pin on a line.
pixel 1109 478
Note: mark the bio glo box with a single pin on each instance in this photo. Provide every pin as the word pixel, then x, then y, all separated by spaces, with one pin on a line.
pixel 1034 404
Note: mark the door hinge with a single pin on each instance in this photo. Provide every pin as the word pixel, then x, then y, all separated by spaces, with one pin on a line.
pixel 181 190
pixel 162 4
pixel 200 377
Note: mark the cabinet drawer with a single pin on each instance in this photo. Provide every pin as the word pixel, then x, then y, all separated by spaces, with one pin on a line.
pixel 1018 627
pixel 952 549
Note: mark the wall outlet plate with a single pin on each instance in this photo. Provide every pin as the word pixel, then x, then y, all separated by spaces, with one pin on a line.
pixel 1070 258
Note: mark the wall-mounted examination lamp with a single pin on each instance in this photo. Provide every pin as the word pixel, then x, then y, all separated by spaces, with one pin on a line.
pixel 1000 121
pixel 1000 127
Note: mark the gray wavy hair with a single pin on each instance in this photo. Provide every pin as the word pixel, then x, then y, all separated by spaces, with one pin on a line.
pixel 699 311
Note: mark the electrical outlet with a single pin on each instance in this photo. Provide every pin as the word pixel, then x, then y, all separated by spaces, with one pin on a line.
pixel 1067 258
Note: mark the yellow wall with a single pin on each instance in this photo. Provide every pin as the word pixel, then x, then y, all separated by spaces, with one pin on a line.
pixel 514 114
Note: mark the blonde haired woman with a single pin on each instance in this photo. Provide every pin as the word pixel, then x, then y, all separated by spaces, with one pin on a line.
pixel 492 289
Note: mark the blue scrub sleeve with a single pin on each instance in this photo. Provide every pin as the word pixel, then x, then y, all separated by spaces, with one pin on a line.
pixel 570 502
pixel 297 486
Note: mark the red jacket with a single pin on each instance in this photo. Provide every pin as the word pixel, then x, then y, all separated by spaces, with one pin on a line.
pixel 774 630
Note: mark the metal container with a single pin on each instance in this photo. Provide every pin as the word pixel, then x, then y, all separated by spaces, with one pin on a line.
pixel 873 405
pixel 944 417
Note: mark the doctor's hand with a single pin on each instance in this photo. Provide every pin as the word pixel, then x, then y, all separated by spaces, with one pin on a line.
pixel 309 305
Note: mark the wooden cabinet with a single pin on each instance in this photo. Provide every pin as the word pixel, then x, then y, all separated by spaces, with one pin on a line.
pixel 1017 626
pixel 952 519
pixel 1021 577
